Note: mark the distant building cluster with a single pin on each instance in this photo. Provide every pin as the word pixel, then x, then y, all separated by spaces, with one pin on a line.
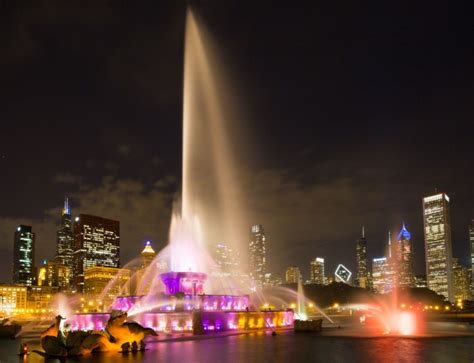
pixel 395 269
pixel 87 262
pixel 87 259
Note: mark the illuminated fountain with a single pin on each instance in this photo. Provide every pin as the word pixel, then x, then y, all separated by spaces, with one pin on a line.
pixel 187 295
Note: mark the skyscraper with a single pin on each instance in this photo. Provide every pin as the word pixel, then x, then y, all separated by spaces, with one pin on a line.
pixel 140 286
pixel 54 274
pixel 96 243
pixel 227 259
pixel 379 275
pixel 317 271
pixel 292 275
pixel 257 258
pixel 384 270
pixel 471 243
pixel 147 255
pixel 65 240
pixel 460 281
pixel 24 256
pixel 437 230
pixel 404 259
pixel 361 253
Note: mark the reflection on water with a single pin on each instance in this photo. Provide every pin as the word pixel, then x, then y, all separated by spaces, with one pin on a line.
pixel 285 347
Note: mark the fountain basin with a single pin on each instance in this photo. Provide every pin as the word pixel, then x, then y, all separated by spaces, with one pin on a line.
pixel 166 303
pixel 210 321
pixel 188 283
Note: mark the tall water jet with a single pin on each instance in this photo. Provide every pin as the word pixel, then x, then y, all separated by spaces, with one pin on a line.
pixel 209 189
pixel 300 304
pixel 184 296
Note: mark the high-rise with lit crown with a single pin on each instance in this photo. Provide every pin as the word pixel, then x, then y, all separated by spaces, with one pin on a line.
pixel 24 255
pixel 437 230
pixel 257 254
pixel 404 259
pixel 361 253
pixel 96 243
pixel 65 239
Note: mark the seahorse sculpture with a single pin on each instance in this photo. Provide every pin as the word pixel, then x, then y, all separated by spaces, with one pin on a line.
pixel 125 333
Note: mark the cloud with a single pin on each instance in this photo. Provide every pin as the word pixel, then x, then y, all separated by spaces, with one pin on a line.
pixel 144 214
pixel 66 178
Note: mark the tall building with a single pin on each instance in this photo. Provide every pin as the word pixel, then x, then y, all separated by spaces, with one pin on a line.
pixel 227 259
pixel 381 275
pixel 257 254
pixel 292 275
pixel 273 279
pixel 471 243
pixel 139 285
pixel 404 259
pixel 96 243
pixel 361 253
pixel 147 255
pixel 24 256
pixel 342 274
pixel 55 274
pixel 437 230
pixel 317 271
pixel 460 281
pixel 65 239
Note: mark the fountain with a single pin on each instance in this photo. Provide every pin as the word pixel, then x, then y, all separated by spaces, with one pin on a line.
pixel 183 298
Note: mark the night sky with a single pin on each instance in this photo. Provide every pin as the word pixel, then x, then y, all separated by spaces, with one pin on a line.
pixel 352 115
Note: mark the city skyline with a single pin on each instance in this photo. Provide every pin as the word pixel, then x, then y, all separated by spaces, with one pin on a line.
pixel 306 272
pixel 351 139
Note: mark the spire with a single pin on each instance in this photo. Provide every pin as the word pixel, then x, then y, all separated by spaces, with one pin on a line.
pixel 389 244
pixel 66 209
pixel 363 232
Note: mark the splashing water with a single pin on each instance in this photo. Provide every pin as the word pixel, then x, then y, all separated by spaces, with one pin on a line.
pixel 300 305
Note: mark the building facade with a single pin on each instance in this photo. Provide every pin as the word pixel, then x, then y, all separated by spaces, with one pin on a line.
pixel 96 243
pixel 438 252
pixel 24 256
pixel 65 239
pixel 13 299
pixel 292 275
pixel 317 271
pixel 257 254
pixel 108 282
pixel 361 254
pixel 40 299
